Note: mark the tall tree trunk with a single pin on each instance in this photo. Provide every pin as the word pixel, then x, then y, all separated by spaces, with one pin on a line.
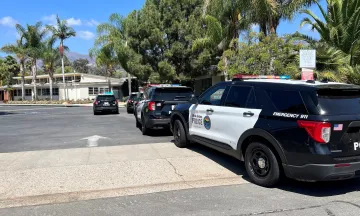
pixel 63 75
pixel 51 85
pixel 263 28
pixel 22 79
pixel 34 71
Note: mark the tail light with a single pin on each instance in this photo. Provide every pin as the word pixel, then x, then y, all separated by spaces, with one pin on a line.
pixel 96 102
pixel 130 101
pixel 319 131
pixel 151 106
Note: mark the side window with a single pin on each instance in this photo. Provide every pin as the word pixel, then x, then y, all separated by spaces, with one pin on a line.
pixel 238 96
pixel 287 101
pixel 213 96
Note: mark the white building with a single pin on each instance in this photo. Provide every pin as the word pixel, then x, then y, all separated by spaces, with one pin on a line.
pixel 78 86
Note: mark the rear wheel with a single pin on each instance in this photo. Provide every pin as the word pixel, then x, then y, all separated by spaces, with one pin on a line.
pixel 144 129
pixel 180 135
pixel 261 165
pixel 117 111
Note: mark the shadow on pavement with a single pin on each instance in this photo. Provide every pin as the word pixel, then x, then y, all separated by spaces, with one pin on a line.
pixel 316 189
pixel 224 160
pixel 8 113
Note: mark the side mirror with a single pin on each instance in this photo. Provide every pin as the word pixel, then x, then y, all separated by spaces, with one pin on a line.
pixel 194 99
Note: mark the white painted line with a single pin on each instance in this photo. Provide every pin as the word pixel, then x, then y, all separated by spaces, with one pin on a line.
pixel 15 110
pixel 92 141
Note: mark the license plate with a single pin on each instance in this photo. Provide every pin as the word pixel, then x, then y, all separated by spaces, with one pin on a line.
pixel 356 146
pixel 106 104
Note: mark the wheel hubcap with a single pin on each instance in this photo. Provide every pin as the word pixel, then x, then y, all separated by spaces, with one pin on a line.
pixel 259 163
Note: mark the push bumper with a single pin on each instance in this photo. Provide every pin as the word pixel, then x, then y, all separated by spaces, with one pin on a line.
pixel 323 172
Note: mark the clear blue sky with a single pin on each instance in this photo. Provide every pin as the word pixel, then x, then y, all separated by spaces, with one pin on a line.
pixel 84 15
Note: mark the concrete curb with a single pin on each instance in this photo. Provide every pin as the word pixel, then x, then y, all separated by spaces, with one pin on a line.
pixel 54 105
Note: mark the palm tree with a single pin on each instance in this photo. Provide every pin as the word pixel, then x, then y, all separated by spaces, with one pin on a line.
pixel 20 52
pixel 341 28
pixel 32 37
pixel 62 32
pixel 105 58
pixel 111 41
pixel 51 57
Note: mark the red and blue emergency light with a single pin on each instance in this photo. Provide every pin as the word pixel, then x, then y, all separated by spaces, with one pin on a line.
pixel 245 76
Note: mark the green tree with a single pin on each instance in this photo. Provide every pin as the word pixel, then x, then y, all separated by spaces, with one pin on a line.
pixel 340 28
pixel 32 37
pixel 19 51
pixel 262 55
pixel 61 31
pixel 9 68
pixel 106 59
pixel 50 58
pixel 81 65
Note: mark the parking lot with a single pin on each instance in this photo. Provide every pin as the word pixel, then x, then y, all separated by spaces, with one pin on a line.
pixel 26 128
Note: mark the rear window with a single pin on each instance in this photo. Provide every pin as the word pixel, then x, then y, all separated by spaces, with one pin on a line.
pixel 172 94
pixel 338 101
pixel 106 97
pixel 287 101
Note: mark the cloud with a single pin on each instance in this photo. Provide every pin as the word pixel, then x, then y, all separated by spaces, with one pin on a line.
pixel 87 35
pixel 51 19
pixel 8 21
pixel 73 22
pixel 92 23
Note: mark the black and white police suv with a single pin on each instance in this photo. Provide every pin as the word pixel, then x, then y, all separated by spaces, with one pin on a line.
pixel 154 110
pixel 305 130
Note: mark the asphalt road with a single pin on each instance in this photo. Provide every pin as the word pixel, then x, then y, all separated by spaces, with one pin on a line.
pixel 25 128
pixel 294 198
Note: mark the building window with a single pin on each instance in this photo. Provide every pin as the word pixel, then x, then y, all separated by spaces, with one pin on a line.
pixel 68 79
pixel 55 91
pixel 27 92
pixel 17 92
pixel 46 92
pixel 94 90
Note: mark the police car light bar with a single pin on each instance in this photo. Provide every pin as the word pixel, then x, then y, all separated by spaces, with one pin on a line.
pixel 241 76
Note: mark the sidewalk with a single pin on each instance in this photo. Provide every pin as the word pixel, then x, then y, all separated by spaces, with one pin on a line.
pixel 52 176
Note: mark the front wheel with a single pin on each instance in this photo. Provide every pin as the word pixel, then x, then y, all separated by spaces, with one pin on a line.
pixel 261 165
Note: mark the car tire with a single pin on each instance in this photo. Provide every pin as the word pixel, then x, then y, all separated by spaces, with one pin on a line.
pixel 117 111
pixel 180 139
pixel 144 129
pixel 262 165
pixel 138 124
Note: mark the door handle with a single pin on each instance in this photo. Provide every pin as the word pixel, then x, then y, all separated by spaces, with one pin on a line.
pixel 210 110
pixel 248 114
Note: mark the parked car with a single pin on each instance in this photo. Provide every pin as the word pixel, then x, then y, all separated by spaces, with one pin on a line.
pixel 305 130
pixel 155 109
pixel 105 103
pixel 132 101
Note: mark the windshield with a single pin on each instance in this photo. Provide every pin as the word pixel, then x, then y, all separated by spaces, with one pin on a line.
pixel 105 98
pixel 339 101
pixel 170 94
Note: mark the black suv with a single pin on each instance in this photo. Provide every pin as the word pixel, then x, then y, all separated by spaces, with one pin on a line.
pixel 155 109
pixel 306 130
pixel 133 101
pixel 105 103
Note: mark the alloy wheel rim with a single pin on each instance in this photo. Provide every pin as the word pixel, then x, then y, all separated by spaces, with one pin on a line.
pixel 259 163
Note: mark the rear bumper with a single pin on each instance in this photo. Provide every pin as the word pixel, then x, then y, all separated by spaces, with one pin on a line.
pixel 157 123
pixel 103 108
pixel 322 172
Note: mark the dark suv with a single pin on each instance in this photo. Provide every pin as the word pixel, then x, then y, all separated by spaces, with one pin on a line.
pixel 132 101
pixel 155 109
pixel 305 130
pixel 105 103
